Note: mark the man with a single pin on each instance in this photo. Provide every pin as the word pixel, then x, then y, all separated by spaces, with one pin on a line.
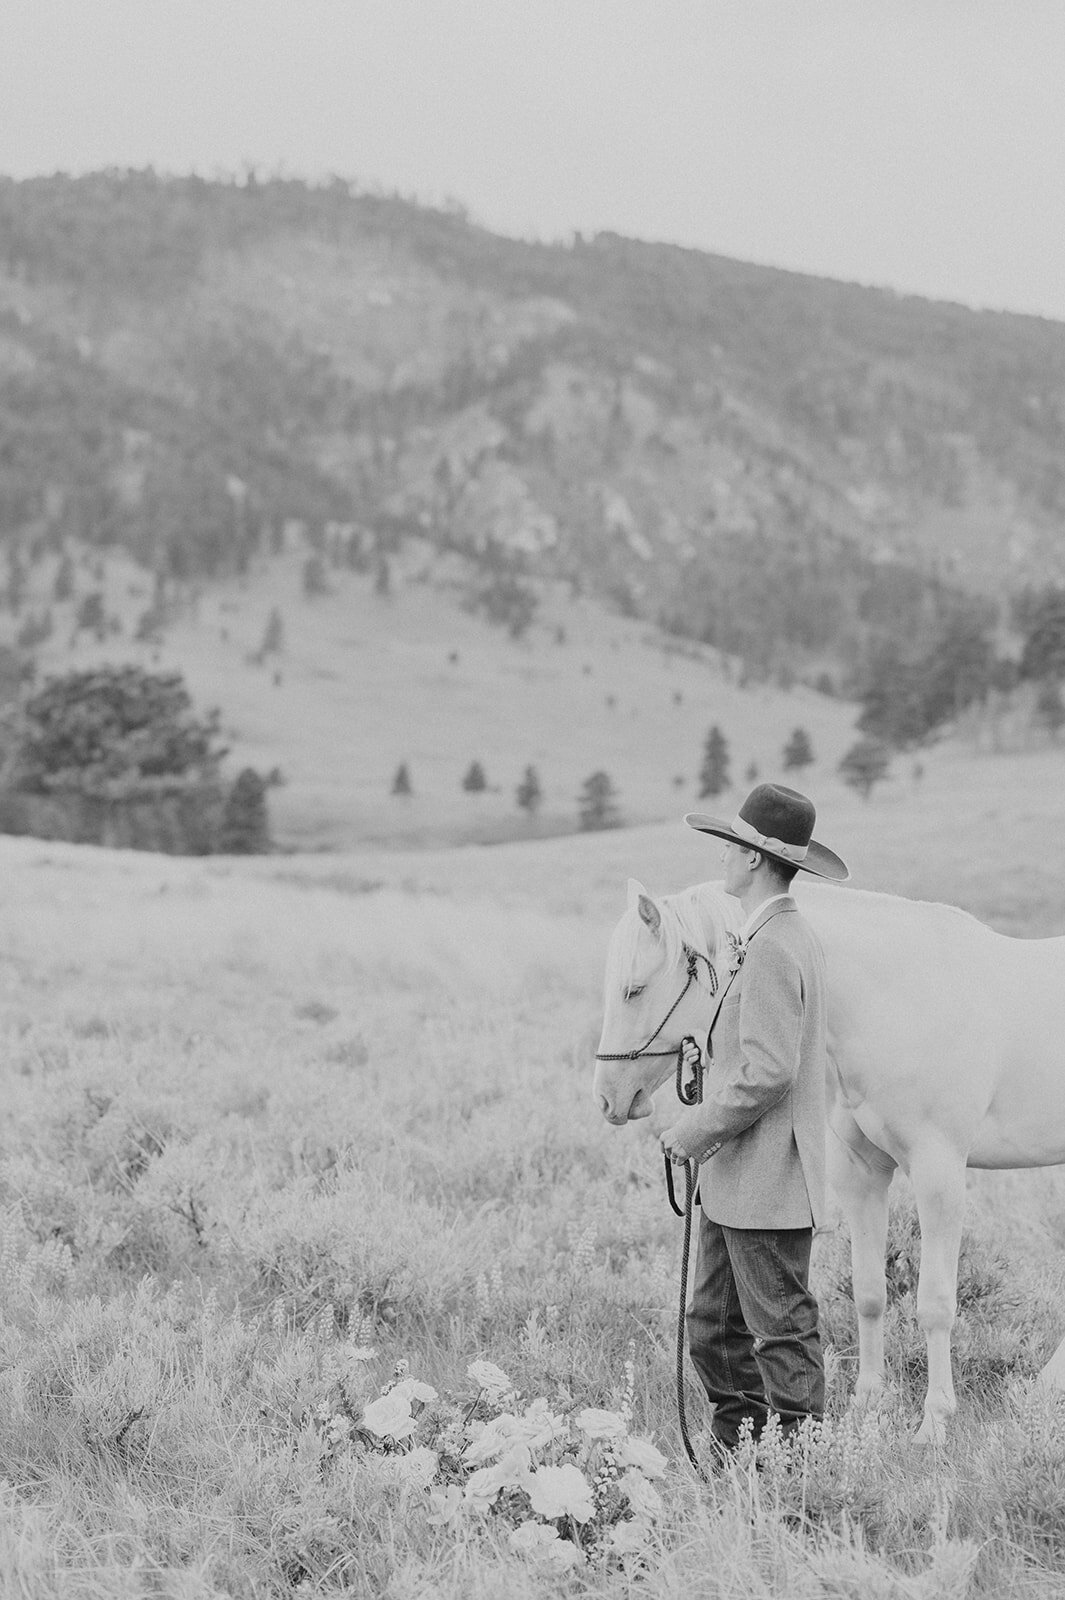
pixel 752 1320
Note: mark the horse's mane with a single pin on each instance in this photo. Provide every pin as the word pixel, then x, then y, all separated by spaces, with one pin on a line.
pixel 697 918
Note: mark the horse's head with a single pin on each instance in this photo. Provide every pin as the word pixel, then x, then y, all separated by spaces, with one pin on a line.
pixel 649 1000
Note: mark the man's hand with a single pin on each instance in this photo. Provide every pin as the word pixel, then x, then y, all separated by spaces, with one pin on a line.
pixel 673 1147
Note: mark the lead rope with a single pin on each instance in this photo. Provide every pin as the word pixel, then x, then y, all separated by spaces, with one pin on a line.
pixel 689 1095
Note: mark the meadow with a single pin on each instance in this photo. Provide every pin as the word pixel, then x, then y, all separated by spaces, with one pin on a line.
pixel 281 1133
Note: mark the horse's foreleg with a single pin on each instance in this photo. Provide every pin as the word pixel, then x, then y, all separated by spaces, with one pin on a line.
pixel 861 1174
pixel 938 1175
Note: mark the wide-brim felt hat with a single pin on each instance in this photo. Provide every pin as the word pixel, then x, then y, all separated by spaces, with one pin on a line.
pixel 780 823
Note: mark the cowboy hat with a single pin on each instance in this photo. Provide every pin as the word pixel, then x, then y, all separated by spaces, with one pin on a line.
pixel 780 823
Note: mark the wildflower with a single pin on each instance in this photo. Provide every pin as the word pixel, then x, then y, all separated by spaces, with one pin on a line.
pixel 560 1492
pixel 629 1538
pixel 599 1424
pixel 539 1426
pixel 444 1504
pixel 529 1536
pixel 643 1497
pixel 389 1417
pixel 510 1472
pixel 490 1379
pixel 640 1453
pixel 362 1352
pixel 417 1468
pixel 491 1438
pixel 337 1430
pixel 413 1389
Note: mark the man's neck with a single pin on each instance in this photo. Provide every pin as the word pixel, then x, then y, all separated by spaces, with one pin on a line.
pixel 757 894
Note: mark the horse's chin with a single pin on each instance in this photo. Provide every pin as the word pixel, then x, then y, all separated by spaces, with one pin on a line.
pixel 642 1105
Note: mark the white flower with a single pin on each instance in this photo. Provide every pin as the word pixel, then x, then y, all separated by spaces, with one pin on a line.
pixel 640 1453
pixel 417 1468
pixel 444 1505
pixel 483 1486
pixel 643 1497
pixel 539 1426
pixel 530 1536
pixel 490 1379
pixel 491 1439
pixel 412 1389
pixel 362 1352
pixel 629 1538
pixel 601 1424
pixel 562 1554
pixel 560 1492
pixel 389 1417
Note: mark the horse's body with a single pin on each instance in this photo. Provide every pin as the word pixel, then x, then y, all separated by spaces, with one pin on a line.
pixel 946 1050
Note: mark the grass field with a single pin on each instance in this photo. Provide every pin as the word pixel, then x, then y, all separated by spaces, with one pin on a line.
pixel 272 1127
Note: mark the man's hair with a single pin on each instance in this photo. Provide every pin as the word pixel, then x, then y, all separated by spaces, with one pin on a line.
pixel 782 871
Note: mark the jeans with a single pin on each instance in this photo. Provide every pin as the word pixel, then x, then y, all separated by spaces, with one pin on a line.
pixel 752 1327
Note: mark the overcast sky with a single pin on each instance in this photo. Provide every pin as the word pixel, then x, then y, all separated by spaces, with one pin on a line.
pixel 915 143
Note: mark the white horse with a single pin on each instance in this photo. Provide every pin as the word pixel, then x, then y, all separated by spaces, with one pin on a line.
pixel 946 1050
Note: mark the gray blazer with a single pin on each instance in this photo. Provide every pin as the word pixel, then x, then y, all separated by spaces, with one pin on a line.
pixel 762 1117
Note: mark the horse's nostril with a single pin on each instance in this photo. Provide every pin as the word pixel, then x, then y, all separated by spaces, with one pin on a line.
pixel 604 1104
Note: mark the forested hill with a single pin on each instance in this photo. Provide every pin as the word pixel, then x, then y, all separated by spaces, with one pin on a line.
pixel 784 466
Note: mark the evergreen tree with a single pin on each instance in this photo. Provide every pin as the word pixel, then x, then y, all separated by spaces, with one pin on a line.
pixel 798 752
pixel 474 781
pixel 63 589
pixel 528 793
pixel 273 635
pixel 315 582
pixel 1049 710
pixel 245 829
pixel 401 783
pixel 864 764
pixel 597 803
pixel 713 774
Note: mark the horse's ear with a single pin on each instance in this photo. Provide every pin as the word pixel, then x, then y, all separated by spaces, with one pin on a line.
pixel 636 889
pixel 649 913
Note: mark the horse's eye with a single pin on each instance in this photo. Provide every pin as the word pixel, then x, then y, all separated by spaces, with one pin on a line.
pixel 634 991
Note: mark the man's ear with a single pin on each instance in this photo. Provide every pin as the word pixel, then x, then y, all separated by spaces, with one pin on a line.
pixel 649 913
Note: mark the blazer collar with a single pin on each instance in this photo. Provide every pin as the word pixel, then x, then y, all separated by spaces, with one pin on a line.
pixel 785 903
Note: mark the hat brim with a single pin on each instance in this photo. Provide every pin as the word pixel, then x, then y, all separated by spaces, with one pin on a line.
pixel 819 860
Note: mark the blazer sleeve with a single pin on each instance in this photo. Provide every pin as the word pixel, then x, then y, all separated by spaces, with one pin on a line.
pixel 770 1034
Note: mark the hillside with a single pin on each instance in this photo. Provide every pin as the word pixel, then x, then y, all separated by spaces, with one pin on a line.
pixel 787 468
pixel 364 681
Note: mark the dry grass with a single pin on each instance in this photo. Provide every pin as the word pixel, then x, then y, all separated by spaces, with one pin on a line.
pixel 257 1113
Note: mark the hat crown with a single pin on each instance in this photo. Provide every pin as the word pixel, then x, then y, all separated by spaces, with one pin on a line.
pixel 780 813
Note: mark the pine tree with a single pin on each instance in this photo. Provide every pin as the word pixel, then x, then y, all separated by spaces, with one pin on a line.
pixel 798 752
pixel 528 793
pixel 63 589
pixel 713 774
pixel 864 764
pixel 474 781
pixel 245 829
pixel 597 803
pixel 1049 707
pixel 315 582
pixel 274 634
pixel 401 783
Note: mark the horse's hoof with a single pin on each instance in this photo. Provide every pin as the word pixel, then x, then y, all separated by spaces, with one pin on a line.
pixel 932 1432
